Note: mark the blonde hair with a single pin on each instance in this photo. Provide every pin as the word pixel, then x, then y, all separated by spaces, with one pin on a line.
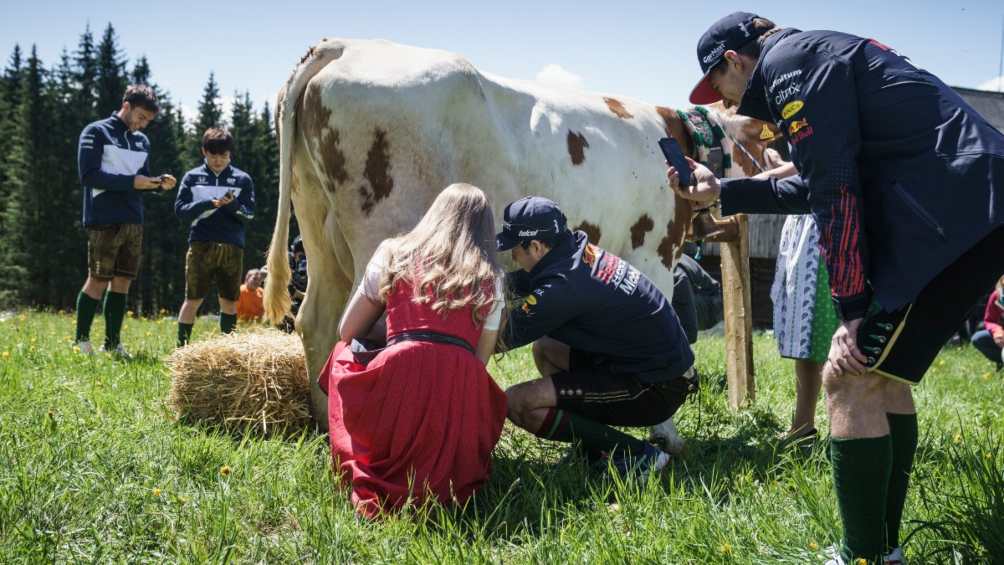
pixel 1000 286
pixel 449 257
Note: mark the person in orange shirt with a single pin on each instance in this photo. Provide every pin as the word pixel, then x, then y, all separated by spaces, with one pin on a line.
pixel 249 305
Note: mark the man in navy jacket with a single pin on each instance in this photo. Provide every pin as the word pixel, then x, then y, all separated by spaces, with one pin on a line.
pixel 113 162
pixel 607 343
pixel 906 182
pixel 217 199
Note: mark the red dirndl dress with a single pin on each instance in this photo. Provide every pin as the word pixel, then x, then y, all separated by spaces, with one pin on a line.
pixel 420 419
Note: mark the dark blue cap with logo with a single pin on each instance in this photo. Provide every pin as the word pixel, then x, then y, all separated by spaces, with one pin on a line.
pixel 727 34
pixel 529 218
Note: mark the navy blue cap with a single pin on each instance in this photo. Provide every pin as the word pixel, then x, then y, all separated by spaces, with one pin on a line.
pixel 727 34
pixel 529 218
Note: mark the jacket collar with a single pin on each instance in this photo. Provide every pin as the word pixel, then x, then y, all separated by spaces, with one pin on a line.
pixel 754 102
pixel 565 250
pixel 223 174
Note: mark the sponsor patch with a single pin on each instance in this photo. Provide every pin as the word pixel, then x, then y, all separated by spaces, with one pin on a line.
pixel 798 131
pixel 784 78
pixel 792 108
pixel 766 133
pixel 787 93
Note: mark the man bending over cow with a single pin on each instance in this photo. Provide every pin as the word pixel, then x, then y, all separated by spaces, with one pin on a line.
pixel 607 343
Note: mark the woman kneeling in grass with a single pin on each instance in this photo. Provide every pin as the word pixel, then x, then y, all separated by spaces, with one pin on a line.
pixel 420 419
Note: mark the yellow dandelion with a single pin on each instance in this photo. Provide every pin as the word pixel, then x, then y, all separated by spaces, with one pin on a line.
pixel 97 383
pixel 860 561
pixel 156 492
pixel 125 327
pixel 225 471
pixel 148 334
pixel 986 376
pixel 957 438
pixel 132 314
pixel 6 354
pixel 76 348
pixel 813 546
pixel 988 456
pixel 725 549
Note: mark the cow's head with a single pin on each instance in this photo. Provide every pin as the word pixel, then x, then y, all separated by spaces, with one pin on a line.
pixel 746 140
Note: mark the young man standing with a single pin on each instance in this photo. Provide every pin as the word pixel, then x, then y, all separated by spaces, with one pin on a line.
pixel 217 199
pixel 113 160
pixel 906 183
pixel 608 345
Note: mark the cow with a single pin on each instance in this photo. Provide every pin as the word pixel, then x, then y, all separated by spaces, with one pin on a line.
pixel 370 131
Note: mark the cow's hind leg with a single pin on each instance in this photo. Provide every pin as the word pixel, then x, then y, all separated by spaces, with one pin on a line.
pixel 327 292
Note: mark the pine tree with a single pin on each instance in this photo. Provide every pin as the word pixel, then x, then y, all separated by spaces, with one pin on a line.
pixel 141 71
pixel 210 115
pixel 67 259
pixel 23 275
pixel 112 76
pixel 86 75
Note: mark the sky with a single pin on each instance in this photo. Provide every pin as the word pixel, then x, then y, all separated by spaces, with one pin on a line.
pixel 639 49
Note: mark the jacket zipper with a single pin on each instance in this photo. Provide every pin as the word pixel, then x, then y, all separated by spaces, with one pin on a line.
pixel 919 210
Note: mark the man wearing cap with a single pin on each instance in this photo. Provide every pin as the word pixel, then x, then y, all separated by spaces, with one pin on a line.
pixel 906 182
pixel 607 343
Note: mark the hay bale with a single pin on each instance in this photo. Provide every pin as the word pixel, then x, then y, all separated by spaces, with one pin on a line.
pixel 255 380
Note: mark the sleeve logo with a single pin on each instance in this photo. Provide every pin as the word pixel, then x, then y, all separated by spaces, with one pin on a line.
pixel 792 108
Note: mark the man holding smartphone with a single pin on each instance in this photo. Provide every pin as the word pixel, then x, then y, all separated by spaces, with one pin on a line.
pixel 217 199
pixel 113 163
pixel 906 183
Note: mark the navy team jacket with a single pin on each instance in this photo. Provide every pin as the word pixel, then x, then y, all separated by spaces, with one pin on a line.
pixel 194 204
pixel 902 175
pixel 594 301
pixel 109 157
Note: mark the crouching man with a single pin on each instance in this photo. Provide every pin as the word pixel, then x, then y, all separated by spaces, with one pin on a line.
pixel 608 345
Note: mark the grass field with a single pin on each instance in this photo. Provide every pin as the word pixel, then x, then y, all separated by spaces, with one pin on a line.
pixel 93 468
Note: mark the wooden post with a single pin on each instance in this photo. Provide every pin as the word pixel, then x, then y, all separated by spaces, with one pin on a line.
pixel 735 257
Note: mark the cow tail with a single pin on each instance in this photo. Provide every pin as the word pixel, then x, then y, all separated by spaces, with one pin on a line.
pixel 277 300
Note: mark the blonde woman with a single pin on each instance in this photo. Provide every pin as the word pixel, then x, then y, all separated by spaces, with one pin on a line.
pixel 420 418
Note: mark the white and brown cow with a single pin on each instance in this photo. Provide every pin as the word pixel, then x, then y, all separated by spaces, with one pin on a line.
pixel 371 131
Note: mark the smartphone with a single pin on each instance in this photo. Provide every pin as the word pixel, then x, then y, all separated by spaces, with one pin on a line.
pixel 674 156
pixel 229 194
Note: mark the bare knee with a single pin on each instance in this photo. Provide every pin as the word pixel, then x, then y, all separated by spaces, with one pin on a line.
pixel 856 404
pixel 550 356
pixel 525 399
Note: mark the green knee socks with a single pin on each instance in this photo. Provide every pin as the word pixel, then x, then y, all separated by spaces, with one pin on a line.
pixel 861 471
pixel 560 425
pixel 86 307
pixel 114 307
pixel 903 431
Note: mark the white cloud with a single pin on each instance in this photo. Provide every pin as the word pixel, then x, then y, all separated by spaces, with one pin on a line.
pixel 556 76
pixel 994 84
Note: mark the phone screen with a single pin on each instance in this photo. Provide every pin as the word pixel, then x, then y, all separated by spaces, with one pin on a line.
pixel 674 156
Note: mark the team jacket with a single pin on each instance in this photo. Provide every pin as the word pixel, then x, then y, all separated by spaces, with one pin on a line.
pixel 194 204
pixel 109 157
pixel 903 176
pixel 594 301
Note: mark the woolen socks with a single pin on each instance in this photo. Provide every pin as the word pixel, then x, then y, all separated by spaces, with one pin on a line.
pixel 86 307
pixel 115 305
pixel 861 471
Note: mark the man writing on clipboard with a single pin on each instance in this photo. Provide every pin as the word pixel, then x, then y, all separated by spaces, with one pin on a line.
pixel 217 199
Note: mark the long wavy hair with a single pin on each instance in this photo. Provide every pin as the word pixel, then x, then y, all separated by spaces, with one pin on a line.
pixel 449 257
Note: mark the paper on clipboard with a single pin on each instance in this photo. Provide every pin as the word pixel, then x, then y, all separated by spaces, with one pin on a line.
pixel 202 192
